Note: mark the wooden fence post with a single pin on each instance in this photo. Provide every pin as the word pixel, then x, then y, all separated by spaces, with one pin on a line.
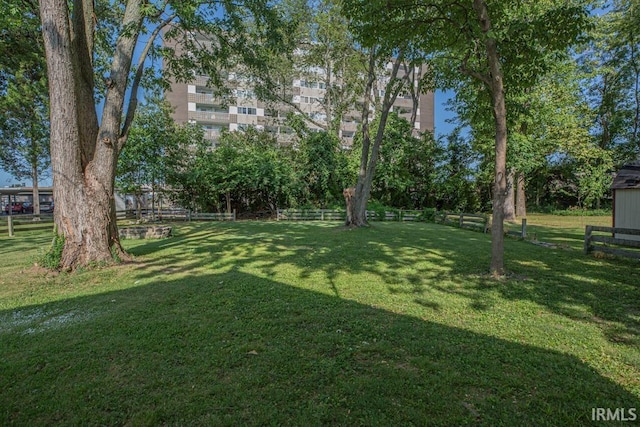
pixel 523 233
pixel 587 238
pixel 461 219
pixel 10 225
pixel 234 215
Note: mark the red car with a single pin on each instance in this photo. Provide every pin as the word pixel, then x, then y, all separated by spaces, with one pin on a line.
pixel 19 207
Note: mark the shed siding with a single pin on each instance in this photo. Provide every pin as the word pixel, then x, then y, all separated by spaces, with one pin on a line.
pixel 627 211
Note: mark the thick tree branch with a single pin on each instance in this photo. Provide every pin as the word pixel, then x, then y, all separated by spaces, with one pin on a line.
pixel 133 99
pixel 390 94
pixel 82 39
pixel 83 34
pixel 120 68
pixel 366 139
pixel 464 68
pixel 413 80
pixel 299 110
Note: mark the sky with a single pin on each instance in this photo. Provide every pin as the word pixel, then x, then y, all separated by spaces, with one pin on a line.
pixel 441 128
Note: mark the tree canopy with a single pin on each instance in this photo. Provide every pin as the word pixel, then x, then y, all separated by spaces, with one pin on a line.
pixel 98 48
pixel 546 95
pixel 24 103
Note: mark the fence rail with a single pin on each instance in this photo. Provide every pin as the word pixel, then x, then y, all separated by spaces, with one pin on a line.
pixel 310 215
pixel 12 224
pixel 176 215
pixel 23 223
pixel 599 243
pixel 465 220
pixel 479 222
pixel 340 215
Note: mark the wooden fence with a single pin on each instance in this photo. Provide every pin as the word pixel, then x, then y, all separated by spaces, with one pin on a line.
pixel 340 215
pixel 310 215
pixel 521 233
pixel 11 224
pixel 600 243
pixel 176 215
pixel 478 222
pixel 465 220
pixel 18 224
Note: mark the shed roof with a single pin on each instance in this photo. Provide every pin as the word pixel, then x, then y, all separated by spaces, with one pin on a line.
pixel 627 177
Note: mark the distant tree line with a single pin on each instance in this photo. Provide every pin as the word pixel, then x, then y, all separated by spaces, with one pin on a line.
pixel 547 103
pixel 250 171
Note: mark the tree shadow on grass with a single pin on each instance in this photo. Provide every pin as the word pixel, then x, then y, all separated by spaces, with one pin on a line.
pixel 420 260
pixel 13 248
pixel 236 349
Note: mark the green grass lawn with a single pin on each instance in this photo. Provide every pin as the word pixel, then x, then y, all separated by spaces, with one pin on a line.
pixel 565 231
pixel 284 323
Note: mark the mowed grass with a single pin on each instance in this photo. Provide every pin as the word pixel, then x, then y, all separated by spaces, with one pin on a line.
pixel 561 230
pixel 283 323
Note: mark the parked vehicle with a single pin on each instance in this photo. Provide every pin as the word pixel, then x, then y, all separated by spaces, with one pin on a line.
pixel 46 207
pixel 19 207
pixel 27 207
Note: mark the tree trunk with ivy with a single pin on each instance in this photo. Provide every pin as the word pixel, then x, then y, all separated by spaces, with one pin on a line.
pixel 83 154
pixel 85 150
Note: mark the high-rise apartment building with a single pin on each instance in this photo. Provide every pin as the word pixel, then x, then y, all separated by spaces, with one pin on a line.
pixel 195 102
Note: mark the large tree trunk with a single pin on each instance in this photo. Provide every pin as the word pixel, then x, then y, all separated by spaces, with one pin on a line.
pixel 510 197
pixel 357 209
pixel 369 156
pixel 495 83
pixel 348 194
pixel 521 197
pixel 35 191
pixel 83 155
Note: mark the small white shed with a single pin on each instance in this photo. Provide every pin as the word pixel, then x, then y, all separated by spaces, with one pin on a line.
pixel 626 199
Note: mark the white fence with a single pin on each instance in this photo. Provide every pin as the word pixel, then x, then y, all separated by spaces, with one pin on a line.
pixel 340 215
pixel 176 215
pixel 479 222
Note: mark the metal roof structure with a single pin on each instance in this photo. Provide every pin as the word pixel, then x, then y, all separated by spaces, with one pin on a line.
pixel 24 190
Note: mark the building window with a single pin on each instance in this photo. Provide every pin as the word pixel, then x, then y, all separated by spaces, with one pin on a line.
pixel 204 91
pixel 311 85
pixel 247 110
pixel 244 93
pixel 204 108
pixel 321 117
